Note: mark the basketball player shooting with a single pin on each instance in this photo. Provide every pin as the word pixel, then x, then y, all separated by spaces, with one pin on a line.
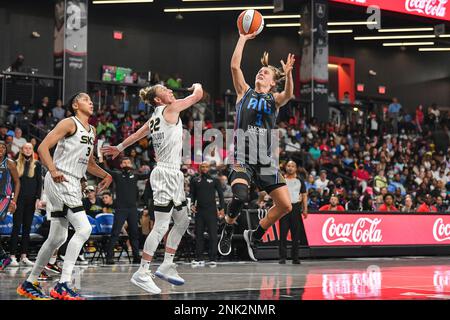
pixel 167 181
pixel 74 139
pixel 256 110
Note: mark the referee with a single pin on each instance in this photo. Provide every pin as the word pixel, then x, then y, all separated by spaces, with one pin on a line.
pixel 293 220
pixel 203 196
pixel 125 208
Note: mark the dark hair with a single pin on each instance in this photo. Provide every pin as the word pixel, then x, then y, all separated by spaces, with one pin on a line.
pixel 388 195
pixel 72 100
pixel 124 159
pixel 106 193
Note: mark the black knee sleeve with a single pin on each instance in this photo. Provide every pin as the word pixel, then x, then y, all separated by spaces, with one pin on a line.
pixel 240 197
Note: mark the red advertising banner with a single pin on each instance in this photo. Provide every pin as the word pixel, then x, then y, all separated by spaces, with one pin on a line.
pixel 334 229
pixel 435 9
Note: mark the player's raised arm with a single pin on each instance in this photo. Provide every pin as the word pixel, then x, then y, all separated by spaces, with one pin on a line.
pixel 181 104
pixel 240 86
pixel 64 128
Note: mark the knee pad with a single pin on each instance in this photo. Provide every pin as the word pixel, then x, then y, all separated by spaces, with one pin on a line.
pixel 240 197
pixel 181 221
pixel 161 229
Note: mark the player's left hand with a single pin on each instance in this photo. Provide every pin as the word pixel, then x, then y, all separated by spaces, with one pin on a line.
pixel 289 65
pixel 104 183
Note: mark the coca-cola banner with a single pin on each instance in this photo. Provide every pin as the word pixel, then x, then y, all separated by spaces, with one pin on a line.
pixel 436 9
pixel 330 229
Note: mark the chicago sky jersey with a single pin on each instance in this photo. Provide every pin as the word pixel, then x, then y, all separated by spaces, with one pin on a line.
pixel 167 138
pixel 73 152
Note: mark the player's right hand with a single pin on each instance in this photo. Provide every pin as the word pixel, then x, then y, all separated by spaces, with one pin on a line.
pixel 110 151
pixel 58 176
pixel 194 85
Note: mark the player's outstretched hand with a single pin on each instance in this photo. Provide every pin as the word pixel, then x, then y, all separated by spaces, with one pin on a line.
pixel 249 36
pixel 104 183
pixel 289 65
pixel 58 176
pixel 110 151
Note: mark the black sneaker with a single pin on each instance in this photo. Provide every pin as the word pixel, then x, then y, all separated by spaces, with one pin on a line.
pixel 110 261
pixel 252 244
pixel 224 245
pixel 53 267
pixel 296 261
pixel 282 261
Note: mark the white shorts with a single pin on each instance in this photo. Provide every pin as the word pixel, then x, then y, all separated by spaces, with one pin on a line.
pixel 167 183
pixel 67 193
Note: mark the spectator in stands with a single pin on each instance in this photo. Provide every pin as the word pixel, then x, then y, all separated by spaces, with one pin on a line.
pixel 333 205
pixel 362 176
pixel 313 201
pixel 346 98
pixel 427 205
pixel 380 181
pixel 3 132
pixel 419 118
pixel 409 205
pixel 146 223
pixel 353 204
pixel 45 105
pixel 388 205
pixel 315 151
pixel 394 112
pixel 440 205
pixel 108 204
pixel 91 203
pixel 18 141
pixel 322 182
pixel 310 183
pixel 58 111
pixel 39 118
pixel 106 127
pixel 30 173
pixel 174 82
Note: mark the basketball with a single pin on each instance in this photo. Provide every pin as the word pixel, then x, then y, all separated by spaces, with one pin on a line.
pixel 250 21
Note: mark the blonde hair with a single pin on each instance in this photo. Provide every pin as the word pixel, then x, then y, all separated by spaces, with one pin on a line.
pixel 278 74
pixel 148 94
pixel 21 165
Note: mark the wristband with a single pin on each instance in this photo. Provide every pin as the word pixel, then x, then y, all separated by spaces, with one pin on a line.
pixel 120 147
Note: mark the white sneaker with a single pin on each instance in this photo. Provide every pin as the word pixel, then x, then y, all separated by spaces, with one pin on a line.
pixel 26 262
pixel 144 280
pixel 169 273
pixel 200 263
pixel 14 262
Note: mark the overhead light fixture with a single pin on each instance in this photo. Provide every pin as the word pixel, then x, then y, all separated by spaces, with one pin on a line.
pixel 336 31
pixel 406 30
pixel 332 65
pixel 341 31
pixel 352 23
pixel 434 49
pixel 282 25
pixel 444 36
pixel 401 44
pixel 205 9
pixel 120 1
pixel 348 23
pixel 286 16
pixel 428 36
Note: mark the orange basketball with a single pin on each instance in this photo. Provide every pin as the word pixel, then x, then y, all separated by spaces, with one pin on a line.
pixel 250 21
